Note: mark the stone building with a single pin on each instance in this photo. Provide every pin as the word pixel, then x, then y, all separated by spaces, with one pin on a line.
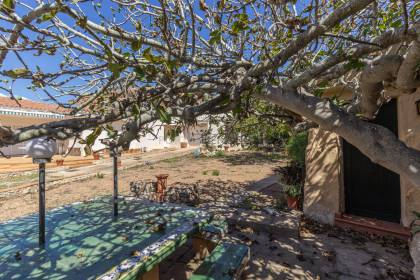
pixel 344 187
pixel 24 112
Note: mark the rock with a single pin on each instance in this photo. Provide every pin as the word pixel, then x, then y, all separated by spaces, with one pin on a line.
pixel 415 255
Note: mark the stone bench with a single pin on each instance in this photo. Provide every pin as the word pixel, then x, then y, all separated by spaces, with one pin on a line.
pixel 226 262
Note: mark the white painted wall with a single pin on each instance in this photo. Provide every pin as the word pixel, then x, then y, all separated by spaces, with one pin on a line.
pixel 156 140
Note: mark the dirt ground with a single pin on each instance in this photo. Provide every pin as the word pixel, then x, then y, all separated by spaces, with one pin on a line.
pixel 243 167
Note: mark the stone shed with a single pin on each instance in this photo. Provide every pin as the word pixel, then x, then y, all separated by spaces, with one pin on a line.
pixel 341 182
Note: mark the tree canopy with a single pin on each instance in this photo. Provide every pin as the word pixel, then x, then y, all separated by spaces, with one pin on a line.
pixel 173 60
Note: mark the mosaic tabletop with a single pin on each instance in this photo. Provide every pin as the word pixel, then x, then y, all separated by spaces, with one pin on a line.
pixel 84 241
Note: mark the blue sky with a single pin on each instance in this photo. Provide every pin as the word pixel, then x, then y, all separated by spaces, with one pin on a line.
pixel 50 63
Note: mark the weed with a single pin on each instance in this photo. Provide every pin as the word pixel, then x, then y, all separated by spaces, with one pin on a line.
pixel 247 203
pixel 215 173
pixel 219 153
pixel 280 204
pixel 204 172
pixel 100 175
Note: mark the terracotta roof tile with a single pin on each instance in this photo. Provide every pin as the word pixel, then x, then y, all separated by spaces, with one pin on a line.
pixel 28 104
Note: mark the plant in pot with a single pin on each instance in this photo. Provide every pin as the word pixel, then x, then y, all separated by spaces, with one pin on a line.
pixel 293 193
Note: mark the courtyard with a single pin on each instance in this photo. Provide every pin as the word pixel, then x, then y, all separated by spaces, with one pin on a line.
pixel 245 188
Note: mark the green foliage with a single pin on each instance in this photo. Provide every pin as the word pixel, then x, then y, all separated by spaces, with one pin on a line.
pixel 248 203
pixel 8 5
pixel 99 175
pixel 215 37
pixel 296 147
pixel 47 16
pixel 280 203
pixel 147 54
pixel 173 132
pixel 16 73
pixel 90 139
pixel 135 45
pixel 215 172
pixel 293 190
pixel 355 64
pixel 204 172
pixel 219 153
pixel 415 225
pixel 164 116
pixel 116 69
pixel 241 24
pixel 265 124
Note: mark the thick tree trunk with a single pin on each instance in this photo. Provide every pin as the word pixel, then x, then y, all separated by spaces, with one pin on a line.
pixel 376 142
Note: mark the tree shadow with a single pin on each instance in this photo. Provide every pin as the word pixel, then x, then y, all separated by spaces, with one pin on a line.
pixel 83 239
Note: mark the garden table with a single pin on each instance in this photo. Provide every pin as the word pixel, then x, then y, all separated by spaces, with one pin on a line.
pixel 84 241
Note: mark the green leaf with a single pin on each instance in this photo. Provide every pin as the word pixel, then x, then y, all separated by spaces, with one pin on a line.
pixel 171 65
pixel 90 139
pixel 16 73
pixel 140 72
pixel 203 6
pixel 8 5
pixel 220 4
pixel 135 45
pixel 215 37
pixel 415 229
pixel 147 54
pixel 164 116
pixel 112 133
pixel 135 110
pixel 88 150
pixel 47 16
pixel 241 24
pixel 355 64
pixel 116 69
pixel 82 21
pixel 139 27
pixel 173 133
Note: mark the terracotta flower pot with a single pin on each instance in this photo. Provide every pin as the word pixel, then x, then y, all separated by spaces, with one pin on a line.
pixel 293 202
pixel 59 162
pixel 96 156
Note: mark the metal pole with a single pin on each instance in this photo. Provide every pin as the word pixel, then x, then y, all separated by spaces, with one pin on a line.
pixel 115 159
pixel 41 204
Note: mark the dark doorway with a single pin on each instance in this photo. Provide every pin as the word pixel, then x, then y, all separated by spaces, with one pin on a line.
pixel 370 189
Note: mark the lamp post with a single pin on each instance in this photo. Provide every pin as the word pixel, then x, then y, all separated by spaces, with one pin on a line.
pixel 115 153
pixel 41 150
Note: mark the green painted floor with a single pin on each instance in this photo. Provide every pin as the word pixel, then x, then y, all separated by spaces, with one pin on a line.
pixel 83 240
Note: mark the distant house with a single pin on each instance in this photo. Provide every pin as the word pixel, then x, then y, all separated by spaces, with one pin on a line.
pixel 24 112
pixel 159 138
